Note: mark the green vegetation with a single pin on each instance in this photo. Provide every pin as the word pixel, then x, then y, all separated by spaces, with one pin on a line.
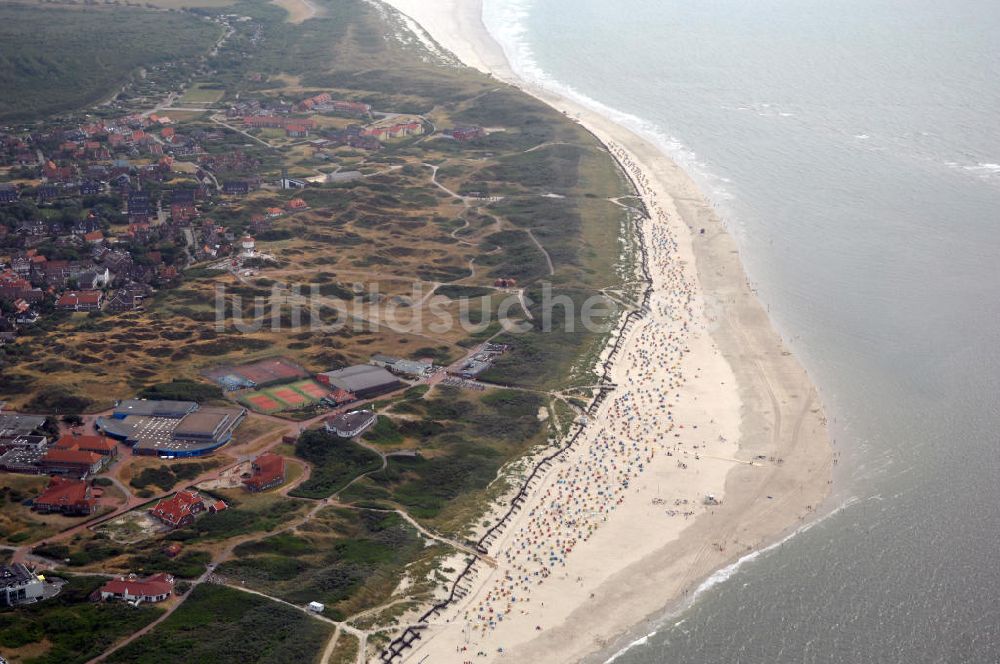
pixel 56 59
pixel 385 432
pixel 456 292
pixel 219 624
pixel 166 477
pixel 467 440
pixel 336 462
pixel 238 521
pixel 182 390
pixel 347 559
pixel 76 628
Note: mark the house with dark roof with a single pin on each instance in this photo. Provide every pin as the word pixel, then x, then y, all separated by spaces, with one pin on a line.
pixel 349 425
pixel 90 188
pixel 364 381
pixel 235 188
pixel 127 298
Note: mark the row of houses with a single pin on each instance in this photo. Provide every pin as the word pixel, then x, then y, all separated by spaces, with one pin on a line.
pixel 324 103
pixel 394 131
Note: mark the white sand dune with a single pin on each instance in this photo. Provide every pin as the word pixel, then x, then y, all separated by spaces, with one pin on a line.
pixel 708 402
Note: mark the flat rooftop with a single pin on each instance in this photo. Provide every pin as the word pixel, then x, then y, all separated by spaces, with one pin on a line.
pixel 154 408
pixel 19 425
pixel 205 422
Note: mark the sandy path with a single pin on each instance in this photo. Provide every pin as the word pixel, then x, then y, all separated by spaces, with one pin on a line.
pixel 298 10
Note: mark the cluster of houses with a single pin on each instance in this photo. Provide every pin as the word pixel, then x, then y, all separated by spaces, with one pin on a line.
pixel 294 127
pixel 324 103
pixel 394 130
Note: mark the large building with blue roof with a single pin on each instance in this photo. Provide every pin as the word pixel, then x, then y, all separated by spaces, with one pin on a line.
pixel 171 429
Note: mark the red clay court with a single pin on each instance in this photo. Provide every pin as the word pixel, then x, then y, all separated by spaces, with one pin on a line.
pixel 290 396
pixel 310 388
pixel 285 397
pixel 273 370
pixel 263 403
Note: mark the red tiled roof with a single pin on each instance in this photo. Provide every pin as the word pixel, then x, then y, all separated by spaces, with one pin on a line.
pixel 71 456
pixel 99 444
pixel 175 508
pixel 63 493
pixel 152 586
pixel 267 468
pixel 78 298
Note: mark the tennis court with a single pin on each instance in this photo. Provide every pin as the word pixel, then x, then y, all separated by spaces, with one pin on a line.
pixel 285 397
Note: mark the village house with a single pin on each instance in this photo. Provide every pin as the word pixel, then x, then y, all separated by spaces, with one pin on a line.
pixel 90 188
pixel 155 588
pixel 464 134
pixel 180 509
pixel 264 121
pixel 65 496
pixel 350 108
pixel 349 425
pixel 74 463
pixel 127 298
pixel 80 301
pixel 267 472
pixel 97 444
pixel 235 188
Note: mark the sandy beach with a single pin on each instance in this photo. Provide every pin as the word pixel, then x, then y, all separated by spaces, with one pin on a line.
pixel 708 402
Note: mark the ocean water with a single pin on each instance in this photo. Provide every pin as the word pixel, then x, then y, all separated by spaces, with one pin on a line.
pixel 853 148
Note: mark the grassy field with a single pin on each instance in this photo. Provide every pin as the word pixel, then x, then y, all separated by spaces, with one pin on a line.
pixel 335 463
pixel 201 93
pixel 349 560
pixel 218 624
pixel 97 50
pixel 17 522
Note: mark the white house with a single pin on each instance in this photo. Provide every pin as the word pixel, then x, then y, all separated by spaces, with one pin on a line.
pixel 349 425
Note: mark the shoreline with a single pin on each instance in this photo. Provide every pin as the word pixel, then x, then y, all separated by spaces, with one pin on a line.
pixel 735 382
